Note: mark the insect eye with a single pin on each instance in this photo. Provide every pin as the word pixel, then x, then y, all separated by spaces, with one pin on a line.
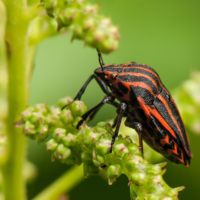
pixel 113 76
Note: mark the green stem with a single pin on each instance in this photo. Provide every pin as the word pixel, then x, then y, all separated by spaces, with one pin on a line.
pixel 63 184
pixel 17 52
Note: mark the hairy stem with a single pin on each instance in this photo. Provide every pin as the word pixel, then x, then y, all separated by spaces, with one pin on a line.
pixel 63 184
pixel 17 50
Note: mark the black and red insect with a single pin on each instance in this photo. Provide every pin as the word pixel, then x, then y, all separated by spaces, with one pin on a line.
pixel 147 105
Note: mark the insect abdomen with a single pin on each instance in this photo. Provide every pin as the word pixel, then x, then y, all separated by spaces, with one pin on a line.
pixel 160 108
pixel 140 87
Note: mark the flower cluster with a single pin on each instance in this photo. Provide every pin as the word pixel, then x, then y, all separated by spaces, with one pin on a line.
pixel 91 146
pixel 85 21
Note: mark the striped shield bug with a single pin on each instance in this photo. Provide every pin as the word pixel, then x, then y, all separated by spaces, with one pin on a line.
pixel 147 105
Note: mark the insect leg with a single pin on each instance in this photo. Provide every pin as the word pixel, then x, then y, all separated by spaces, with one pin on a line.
pixel 82 90
pixel 100 82
pixel 107 99
pixel 100 59
pixel 138 127
pixel 140 142
pixel 95 112
pixel 102 85
pixel 121 113
pixel 115 121
pixel 117 105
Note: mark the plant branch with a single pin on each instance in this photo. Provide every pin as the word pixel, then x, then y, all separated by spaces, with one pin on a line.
pixel 63 184
pixel 91 146
pixel 17 51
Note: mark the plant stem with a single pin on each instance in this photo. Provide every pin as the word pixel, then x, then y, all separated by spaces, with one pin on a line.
pixel 17 50
pixel 63 184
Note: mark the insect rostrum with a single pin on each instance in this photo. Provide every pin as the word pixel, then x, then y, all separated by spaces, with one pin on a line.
pixel 147 105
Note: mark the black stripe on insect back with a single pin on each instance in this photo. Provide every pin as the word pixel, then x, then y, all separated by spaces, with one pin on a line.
pixel 123 88
pixel 134 64
pixel 117 92
pixel 145 72
pixel 162 109
pixel 133 69
pixel 180 123
pixel 114 68
pixel 132 78
pixel 177 118
pixel 144 93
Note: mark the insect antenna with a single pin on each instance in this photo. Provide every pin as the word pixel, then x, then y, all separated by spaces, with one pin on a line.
pixel 100 59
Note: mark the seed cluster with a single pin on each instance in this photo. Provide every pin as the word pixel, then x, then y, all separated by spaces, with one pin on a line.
pixel 91 146
pixel 85 21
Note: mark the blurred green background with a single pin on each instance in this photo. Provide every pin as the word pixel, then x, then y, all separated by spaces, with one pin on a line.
pixel 162 34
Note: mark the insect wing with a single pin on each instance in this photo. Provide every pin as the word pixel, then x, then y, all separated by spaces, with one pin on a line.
pixel 166 106
pixel 176 150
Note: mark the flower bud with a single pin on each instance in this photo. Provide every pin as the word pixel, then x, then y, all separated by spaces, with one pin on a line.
pixel 66 153
pixel 78 108
pixel 58 134
pixel 103 127
pixel 52 145
pixel 137 177
pixel 43 109
pixel 90 168
pixel 154 169
pixel 120 150
pixel 103 146
pixel 114 171
pixel 130 165
pixel 76 120
pixel 98 160
pixel 90 138
pixel 66 117
pixel 69 140
pixel 89 23
pixel 134 149
pixel 62 152
pixel 64 101
pixel 29 128
pixel 86 156
pixel 35 117
pixel 42 132
pixel 26 115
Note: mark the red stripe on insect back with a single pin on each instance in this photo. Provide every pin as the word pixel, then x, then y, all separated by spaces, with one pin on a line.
pixel 140 84
pixel 163 87
pixel 143 75
pixel 148 71
pixel 155 74
pixel 171 115
pixel 165 140
pixel 174 151
pixel 136 67
pixel 187 164
pixel 155 113
pixel 189 153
